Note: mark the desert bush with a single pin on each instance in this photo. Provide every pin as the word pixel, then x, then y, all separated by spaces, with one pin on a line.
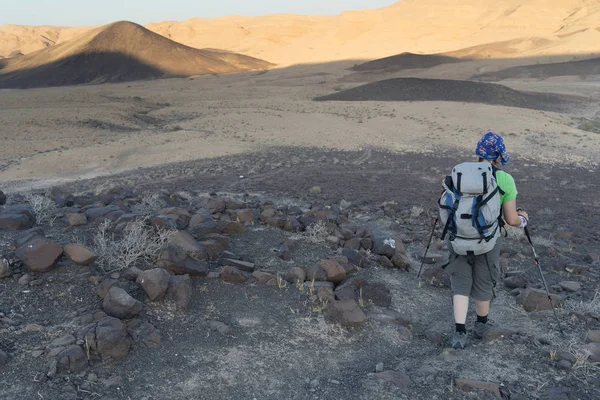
pixel 585 307
pixel 316 232
pixel 138 242
pixel 151 204
pixel 45 209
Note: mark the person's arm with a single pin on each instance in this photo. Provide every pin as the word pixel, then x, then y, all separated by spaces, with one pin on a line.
pixel 512 216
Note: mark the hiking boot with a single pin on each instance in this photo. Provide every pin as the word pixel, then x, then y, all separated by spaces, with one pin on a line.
pixel 482 329
pixel 459 340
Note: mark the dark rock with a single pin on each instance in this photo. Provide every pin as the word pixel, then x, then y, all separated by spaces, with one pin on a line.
pixel 180 290
pixel 154 282
pixel 5 270
pixel 99 212
pixel 241 265
pixel 265 278
pixel 593 349
pixel 404 333
pixel 215 245
pixel 23 209
pixel 335 272
pixel 71 359
pixel 537 300
pixel 366 243
pixel 498 332
pixel 76 219
pixel 39 254
pixel 104 287
pixel 24 280
pixel 80 254
pixel 220 327
pixel 515 281
pixel 107 337
pixel 118 303
pixel 564 365
pixel 3 359
pixel 243 216
pixel 230 227
pixel 435 335
pixel 131 273
pixel 436 276
pixel 384 246
pixel 165 222
pixel 570 286
pixel 23 237
pixel 315 273
pixel 14 222
pixel 180 216
pixel 353 243
pixel 232 275
pixel 2 198
pixel 277 222
pixel 346 313
pixel 377 293
pixel 191 246
pixel 401 261
pixel 144 332
pixel 62 341
pixel 284 253
pixel 295 274
pixel 61 197
pixel 398 379
pixel 593 336
pixel 468 385
pixel 215 205
pixel 347 293
pixel 386 262
pixel 267 214
pixel 354 257
pixel 325 294
pixel 178 262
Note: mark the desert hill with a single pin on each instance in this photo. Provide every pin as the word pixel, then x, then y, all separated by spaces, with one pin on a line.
pixel 542 71
pixel 122 51
pixel 532 27
pixel 405 61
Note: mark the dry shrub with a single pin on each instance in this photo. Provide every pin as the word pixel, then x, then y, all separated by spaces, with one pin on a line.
pixel 45 209
pixel 316 232
pixel 137 243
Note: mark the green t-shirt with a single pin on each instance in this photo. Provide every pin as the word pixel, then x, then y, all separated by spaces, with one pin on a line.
pixel 507 184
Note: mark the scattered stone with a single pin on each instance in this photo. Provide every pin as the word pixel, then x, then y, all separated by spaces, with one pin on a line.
pixel 5 270
pixel 537 300
pixel 325 294
pixel 113 381
pixel 190 245
pixel 570 286
pixel 80 254
pixel 335 272
pixel 241 265
pixel 232 275
pixel 23 237
pixel 2 198
pixel 104 287
pixel 180 290
pixel 404 333
pixel 76 219
pixel 468 385
pixel 220 327
pixel 178 262
pixel 436 276
pixel 40 254
pixel 593 336
pixel 401 261
pixel 118 303
pixel 107 337
pixel 515 281
pixel 315 273
pixel 63 341
pixel 347 293
pixel 564 365
pixel 564 235
pixel 215 245
pixel 244 215
pixel 154 282
pixel 295 274
pixel 14 222
pixel 132 273
pixel 180 216
pixel 3 359
pixel 379 367
pixel 594 351
pixel 33 328
pixel 265 278
pixel 376 293
pixel 24 280
pixel 284 253
pixel 435 335
pixel 94 213
pixel 71 359
pixel 353 244
pixel 387 316
pixel 355 257
pixel 498 332
pixel 366 243
pixel 144 332
pixel 346 313
pixel 399 379
pixel 386 262
pixel 384 246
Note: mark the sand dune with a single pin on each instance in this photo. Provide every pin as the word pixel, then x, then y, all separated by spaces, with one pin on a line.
pixel 417 26
pixel 417 89
pixel 122 51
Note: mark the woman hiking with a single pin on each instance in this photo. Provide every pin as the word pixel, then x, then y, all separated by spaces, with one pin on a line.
pixel 475 274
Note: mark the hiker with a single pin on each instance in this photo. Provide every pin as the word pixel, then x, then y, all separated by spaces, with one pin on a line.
pixel 479 199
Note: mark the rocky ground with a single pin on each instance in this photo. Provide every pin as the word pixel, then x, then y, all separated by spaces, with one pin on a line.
pixel 289 273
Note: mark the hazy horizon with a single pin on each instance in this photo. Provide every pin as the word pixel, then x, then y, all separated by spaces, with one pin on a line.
pixel 74 13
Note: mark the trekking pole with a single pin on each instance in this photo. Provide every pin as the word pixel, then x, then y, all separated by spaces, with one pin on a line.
pixel 435 221
pixel 537 262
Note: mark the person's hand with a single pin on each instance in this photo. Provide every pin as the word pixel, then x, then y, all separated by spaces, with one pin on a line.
pixel 522 213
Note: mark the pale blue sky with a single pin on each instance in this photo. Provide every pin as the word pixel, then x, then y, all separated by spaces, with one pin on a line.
pixel 97 12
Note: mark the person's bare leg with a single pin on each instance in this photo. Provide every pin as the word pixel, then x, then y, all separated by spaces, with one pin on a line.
pixel 461 307
pixel 483 308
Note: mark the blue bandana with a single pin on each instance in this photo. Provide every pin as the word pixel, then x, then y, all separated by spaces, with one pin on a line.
pixel 491 147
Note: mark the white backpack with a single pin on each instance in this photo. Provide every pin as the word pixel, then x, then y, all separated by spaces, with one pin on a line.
pixel 470 208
